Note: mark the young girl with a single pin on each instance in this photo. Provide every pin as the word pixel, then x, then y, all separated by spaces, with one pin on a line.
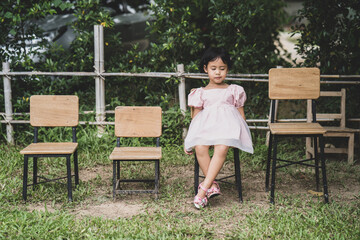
pixel 218 120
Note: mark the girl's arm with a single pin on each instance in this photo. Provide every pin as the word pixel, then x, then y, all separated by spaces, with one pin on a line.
pixel 196 111
pixel 242 113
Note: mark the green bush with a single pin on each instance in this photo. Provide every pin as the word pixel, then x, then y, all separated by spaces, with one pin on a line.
pixel 330 36
pixel 329 39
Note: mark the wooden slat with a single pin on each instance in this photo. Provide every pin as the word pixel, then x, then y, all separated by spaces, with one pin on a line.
pixel 335 150
pixel 50 148
pixel 320 116
pixel 330 94
pixel 296 128
pixel 136 153
pixel 294 83
pixel 138 121
pixel 54 110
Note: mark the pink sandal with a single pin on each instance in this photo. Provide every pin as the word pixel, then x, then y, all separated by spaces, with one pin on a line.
pixel 198 201
pixel 214 191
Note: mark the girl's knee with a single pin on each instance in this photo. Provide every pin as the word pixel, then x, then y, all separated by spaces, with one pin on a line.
pixel 202 149
pixel 221 149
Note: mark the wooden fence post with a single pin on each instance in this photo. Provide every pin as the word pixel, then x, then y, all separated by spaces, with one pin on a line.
pixel 182 93
pixel 99 80
pixel 8 104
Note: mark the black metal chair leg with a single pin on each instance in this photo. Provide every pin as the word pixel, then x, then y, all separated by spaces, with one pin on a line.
pixel 316 154
pixel 76 168
pixel 118 169
pixel 238 173
pixel 157 177
pixel 196 175
pixel 68 170
pixel 35 170
pixel 272 193
pixel 25 176
pixel 267 177
pixel 323 169
pixel 114 179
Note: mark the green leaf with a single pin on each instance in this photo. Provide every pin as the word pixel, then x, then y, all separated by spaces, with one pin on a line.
pixel 57 3
pixel 63 6
pixel 8 15
pixel 12 32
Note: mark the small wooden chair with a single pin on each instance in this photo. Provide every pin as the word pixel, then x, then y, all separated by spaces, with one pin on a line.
pixel 294 83
pixel 137 122
pixel 52 111
pixel 335 131
pixel 237 173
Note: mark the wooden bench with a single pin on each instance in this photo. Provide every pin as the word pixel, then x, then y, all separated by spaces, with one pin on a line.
pixel 335 131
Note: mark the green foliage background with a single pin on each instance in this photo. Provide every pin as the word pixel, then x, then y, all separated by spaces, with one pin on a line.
pixel 330 40
pixel 179 33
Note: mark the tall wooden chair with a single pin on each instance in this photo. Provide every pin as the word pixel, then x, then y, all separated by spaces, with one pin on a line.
pixel 295 83
pixel 137 122
pixel 237 173
pixel 335 131
pixel 52 111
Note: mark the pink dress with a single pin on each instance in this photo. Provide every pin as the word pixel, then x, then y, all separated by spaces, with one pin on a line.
pixel 219 122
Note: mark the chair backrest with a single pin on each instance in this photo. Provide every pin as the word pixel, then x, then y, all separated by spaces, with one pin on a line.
pixel 294 83
pixel 54 110
pixel 332 116
pixel 138 121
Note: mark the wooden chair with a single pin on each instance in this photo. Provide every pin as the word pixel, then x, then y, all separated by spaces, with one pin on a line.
pixel 294 83
pixel 52 111
pixel 335 131
pixel 137 122
pixel 237 173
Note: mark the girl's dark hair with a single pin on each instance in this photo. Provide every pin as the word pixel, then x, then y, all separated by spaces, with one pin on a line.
pixel 211 54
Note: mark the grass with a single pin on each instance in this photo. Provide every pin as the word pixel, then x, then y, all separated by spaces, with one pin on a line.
pixel 310 220
pixel 296 214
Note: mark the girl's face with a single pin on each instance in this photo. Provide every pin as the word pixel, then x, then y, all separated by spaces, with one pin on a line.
pixel 216 71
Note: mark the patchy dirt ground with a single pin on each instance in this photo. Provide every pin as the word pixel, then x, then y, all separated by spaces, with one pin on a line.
pixel 296 182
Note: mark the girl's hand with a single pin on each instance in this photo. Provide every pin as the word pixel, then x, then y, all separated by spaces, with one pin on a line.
pixel 188 152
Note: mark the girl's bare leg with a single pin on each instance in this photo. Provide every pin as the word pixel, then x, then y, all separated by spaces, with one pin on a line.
pixel 203 157
pixel 214 166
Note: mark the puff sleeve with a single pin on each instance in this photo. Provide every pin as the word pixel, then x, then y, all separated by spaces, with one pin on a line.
pixel 195 98
pixel 239 96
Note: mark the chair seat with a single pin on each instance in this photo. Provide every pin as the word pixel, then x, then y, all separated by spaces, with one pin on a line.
pixel 296 128
pixel 50 148
pixel 136 153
